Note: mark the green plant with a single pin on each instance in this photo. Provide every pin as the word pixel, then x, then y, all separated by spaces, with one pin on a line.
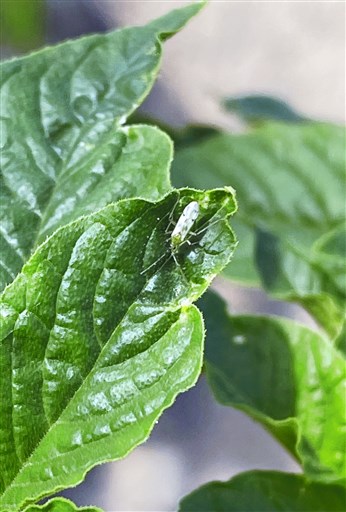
pixel 99 332
pixel 289 177
pixel 22 23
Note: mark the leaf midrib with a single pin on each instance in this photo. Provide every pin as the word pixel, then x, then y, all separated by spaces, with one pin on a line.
pixel 27 462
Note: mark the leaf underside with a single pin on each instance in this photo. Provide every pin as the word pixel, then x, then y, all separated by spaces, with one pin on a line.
pixel 265 491
pixel 284 375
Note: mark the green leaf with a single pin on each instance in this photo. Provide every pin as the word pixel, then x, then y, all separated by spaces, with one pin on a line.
pixel 22 23
pixel 172 22
pixel 340 341
pixel 258 108
pixel 64 149
pixel 243 269
pixel 290 185
pixel 100 335
pixel 265 491
pixel 284 375
pixel 60 505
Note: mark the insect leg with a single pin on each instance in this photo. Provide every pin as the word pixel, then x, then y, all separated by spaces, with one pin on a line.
pixel 171 213
pixel 153 264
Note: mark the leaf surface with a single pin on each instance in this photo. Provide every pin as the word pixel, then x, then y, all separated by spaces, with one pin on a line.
pixel 265 491
pixel 284 375
pixel 64 150
pixel 290 186
pixel 99 335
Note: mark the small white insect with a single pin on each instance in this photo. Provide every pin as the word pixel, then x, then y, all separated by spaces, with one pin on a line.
pixel 180 232
pixel 184 224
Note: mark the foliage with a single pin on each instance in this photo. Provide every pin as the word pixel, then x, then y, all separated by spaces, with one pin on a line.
pixel 60 505
pixel 291 232
pixel 265 491
pixel 291 228
pixel 286 376
pixel 260 108
pixel 99 332
pixel 97 339
pixel 65 151
pixel 22 23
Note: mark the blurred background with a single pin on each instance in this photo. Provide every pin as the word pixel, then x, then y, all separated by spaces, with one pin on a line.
pixel 289 49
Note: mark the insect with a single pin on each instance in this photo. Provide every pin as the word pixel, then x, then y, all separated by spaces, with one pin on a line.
pixel 180 232
pixel 184 225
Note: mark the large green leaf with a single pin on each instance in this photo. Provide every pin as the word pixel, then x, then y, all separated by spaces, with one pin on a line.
pixel 290 185
pixel 63 148
pixel 265 491
pixel 60 505
pixel 284 375
pixel 99 336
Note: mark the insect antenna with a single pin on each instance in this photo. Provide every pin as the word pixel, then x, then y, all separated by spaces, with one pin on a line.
pixel 170 221
pixel 206 226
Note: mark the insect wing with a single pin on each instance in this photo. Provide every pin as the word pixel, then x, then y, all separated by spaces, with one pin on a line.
pixel 185 223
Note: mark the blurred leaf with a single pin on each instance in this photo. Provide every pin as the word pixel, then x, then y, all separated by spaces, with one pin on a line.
pixel 22 23
pixel 175 20
pixel 290 186
pixel 60 505
pixel 265 491
pixel 182 137
pixel 284 375
pixel 243 269
pixel 64 149
pixel 340 341
pixel 99 335
pixel 259 108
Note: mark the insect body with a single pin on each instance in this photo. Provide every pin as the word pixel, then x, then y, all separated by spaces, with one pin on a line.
pixel 184 224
